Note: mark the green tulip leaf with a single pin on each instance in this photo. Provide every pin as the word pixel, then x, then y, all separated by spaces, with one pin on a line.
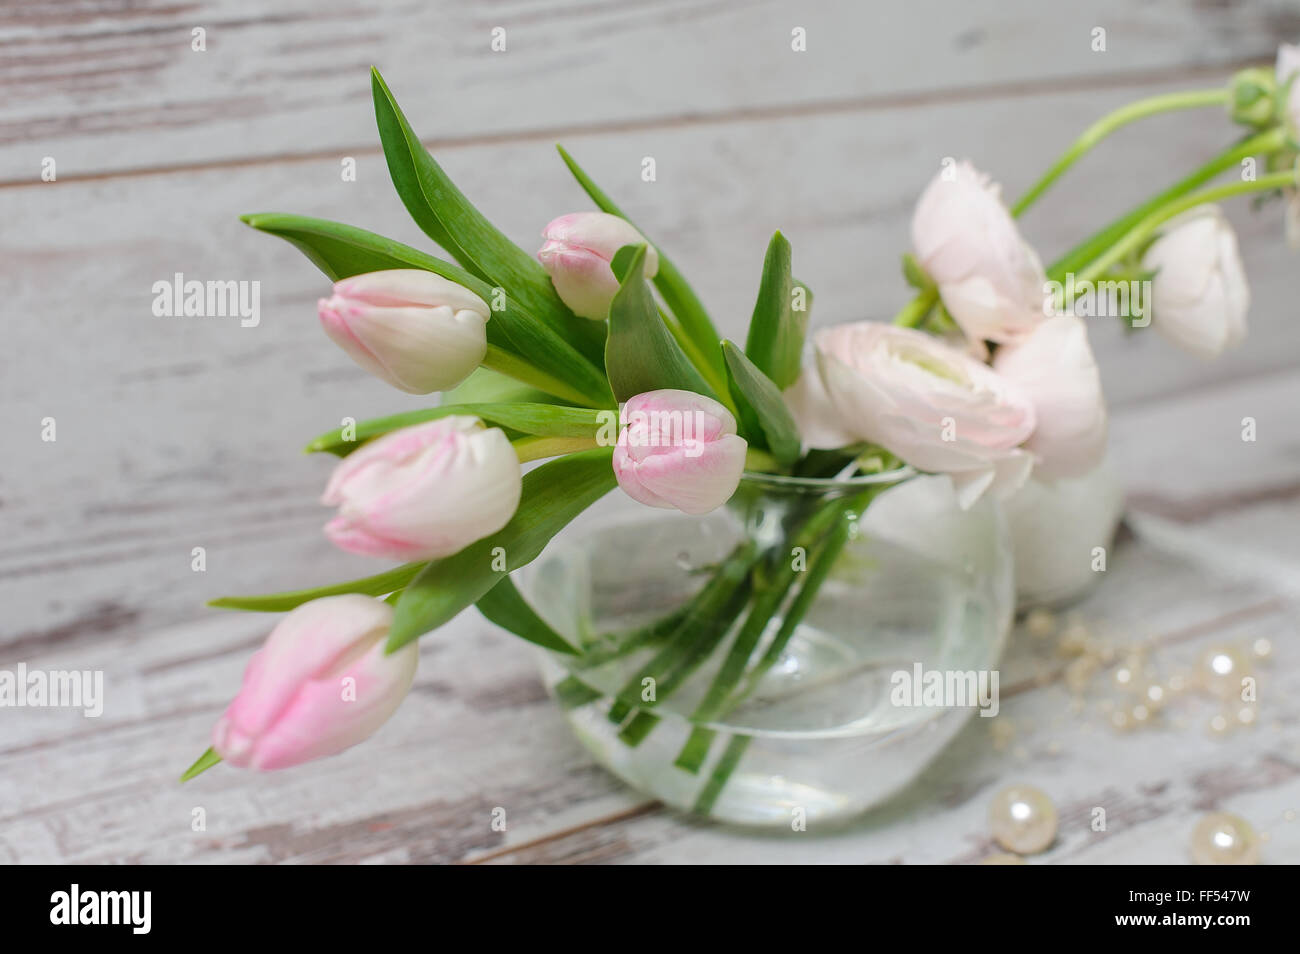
pixel 777 328
pixel 641 354
pixel 759 400
pixel 506 606
pixel 548 420
pixel 389 581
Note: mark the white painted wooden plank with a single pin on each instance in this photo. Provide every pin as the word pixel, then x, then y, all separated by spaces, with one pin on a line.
pixel 102 88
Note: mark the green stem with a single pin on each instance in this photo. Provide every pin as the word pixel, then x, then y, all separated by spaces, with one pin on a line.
pixel 1264 143
pixel 204 762
pixel 731 756
pixel 515 367
pixel 770 596
pixel 538 447
pixel 914 312
pixel 1139 234
pixel 1110 123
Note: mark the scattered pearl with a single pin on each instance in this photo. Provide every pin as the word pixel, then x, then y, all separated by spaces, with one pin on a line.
pixel 1154 696
pixel 1073 640
pixel 1222 671
pixel 1002 858
pixel 1289 815
pixel 1104 651
pixel 1246 715
pixel 1040 623
pixel 1221 838
pixel 1176 683
pixel 1023 819
pixel 1262 649
pixel 1121 721
pixel 1123 677
pixel 1219 724
pixel 1140 714
pixel 1079 673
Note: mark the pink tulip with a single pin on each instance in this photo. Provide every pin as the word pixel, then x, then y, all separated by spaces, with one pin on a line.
pixel 931 405
pixel 990 280
pixel 577 254
pixel 1054 366
pixel 412 328
pixel 678 450
pixel 320 684
pixel 425 491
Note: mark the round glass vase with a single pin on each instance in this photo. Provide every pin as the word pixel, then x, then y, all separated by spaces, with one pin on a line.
pixel 743 665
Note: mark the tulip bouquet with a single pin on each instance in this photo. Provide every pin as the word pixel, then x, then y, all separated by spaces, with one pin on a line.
pixel 569 362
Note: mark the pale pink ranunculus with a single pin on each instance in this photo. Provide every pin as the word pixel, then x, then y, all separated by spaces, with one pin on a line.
pixel 577 254
pixel 412 328
pixel 1055 367
pixel 425 491
pixel 1199 292
pixel 678 450
pixel 320 684
pixel 932 405
pixel 990 279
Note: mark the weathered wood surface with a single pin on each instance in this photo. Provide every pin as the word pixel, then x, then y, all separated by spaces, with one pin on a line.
pixel 176 434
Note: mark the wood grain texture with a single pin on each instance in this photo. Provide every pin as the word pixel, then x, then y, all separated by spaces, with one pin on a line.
pixel 104 86
pixel 180 433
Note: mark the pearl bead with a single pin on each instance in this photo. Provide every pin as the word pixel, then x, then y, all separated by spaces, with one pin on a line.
pixel 1002 858
pixel 1262 649
pixel 1079 673
pixel 1023 819
pixel 1222 671
pixel 1040 623
pixel 1154 696
pixel 1221 838
pixel 1219 724
pixel 1246 715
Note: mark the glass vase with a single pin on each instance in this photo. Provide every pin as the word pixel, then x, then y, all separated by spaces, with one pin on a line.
pixel 749 665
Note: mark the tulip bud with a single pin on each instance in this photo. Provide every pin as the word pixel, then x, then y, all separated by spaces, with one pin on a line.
pixel 1055 368
pixel 320 684
pixel 577 254
pixel 990 280
pixel 425 491
pixel 1199 293
pixel 678 450
pixel 416 330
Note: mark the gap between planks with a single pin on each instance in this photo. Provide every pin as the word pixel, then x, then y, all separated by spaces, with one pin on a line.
pixel 1017 89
